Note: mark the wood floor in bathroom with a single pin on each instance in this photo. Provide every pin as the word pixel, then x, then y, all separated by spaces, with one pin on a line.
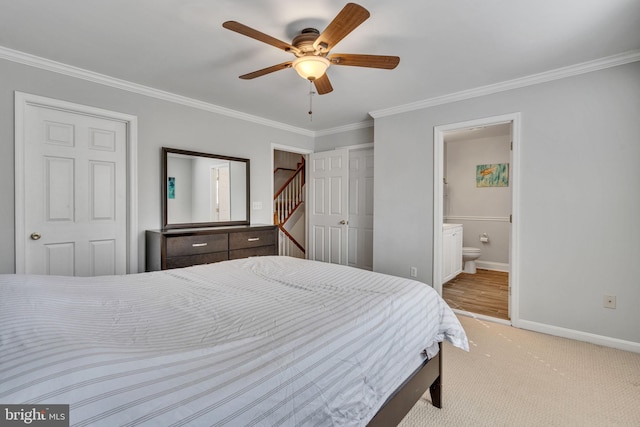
pixel 486 292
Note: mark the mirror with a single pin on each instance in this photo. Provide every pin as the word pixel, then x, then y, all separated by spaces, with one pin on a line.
pixel 203 190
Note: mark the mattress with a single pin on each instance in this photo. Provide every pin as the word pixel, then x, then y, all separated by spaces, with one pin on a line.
pixel 274 341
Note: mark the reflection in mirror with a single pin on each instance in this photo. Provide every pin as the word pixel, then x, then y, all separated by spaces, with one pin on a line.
pixel 204 190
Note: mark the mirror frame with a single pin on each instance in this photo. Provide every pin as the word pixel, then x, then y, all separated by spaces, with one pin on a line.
pixel 165 224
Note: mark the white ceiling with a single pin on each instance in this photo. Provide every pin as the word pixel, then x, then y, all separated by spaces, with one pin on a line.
pixel 445 46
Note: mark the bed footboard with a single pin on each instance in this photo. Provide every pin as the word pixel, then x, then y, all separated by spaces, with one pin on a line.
pixel 427 377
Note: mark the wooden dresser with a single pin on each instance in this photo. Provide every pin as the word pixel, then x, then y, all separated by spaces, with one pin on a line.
pixel 191 246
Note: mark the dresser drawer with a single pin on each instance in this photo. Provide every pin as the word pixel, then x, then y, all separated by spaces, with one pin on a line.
pixel 258 251
pixel 251 239
pixel 188 261
pixel 196 244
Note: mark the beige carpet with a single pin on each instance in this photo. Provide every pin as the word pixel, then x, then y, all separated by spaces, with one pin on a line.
pixel 513 377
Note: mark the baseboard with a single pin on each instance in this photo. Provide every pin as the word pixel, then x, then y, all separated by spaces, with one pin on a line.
pixel 490 265
pixel 578 335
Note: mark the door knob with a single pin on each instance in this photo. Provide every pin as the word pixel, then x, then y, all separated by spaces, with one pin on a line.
pixel 343 222
pixel 35 236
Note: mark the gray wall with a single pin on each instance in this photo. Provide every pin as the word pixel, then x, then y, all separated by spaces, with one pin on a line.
pixel 344 139
pixel 579 200
pixel 160 123
pixel 179 209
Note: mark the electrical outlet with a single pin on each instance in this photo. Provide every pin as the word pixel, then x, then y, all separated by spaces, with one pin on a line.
pixel 257 206
pixel 609 301
pixel 414 272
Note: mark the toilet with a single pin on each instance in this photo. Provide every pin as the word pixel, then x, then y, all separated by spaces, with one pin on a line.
pixel 469 257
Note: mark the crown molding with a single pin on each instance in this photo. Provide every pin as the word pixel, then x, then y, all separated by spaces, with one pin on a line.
pixel 547 76
pixel 91 76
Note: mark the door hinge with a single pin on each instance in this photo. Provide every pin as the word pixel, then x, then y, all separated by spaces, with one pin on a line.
pixel 510 218
pixel 511 146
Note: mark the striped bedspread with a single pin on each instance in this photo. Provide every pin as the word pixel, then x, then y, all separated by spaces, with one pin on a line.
pixel 264 341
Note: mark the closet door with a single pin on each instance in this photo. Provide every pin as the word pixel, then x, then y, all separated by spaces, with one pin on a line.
pixel 360 232
pixel 73 176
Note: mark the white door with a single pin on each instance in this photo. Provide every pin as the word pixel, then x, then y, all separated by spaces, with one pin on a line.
pixel 328 206
pixel 361 209
pixel 75 193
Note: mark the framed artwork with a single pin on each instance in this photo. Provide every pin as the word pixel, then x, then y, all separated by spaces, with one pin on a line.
pixel 171 187
pixel 492 175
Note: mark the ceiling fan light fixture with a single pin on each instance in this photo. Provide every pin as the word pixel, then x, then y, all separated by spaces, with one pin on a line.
pixel 311 67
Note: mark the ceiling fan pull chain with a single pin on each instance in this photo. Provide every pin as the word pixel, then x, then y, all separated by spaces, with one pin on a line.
pixel 311 101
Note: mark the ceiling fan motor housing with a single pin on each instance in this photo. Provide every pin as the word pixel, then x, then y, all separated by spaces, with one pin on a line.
pixel 304 40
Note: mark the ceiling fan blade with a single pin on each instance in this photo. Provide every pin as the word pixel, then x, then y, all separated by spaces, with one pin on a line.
pixel 346 21
pixel 267 70
pixel 371 61
pixel 255 34
pixel 323 85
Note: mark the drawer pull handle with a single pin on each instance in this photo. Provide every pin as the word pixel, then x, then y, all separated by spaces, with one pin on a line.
pixel 198 245
pixel 253 239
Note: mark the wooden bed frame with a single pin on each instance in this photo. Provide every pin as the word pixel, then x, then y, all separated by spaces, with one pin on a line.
pixel 428 376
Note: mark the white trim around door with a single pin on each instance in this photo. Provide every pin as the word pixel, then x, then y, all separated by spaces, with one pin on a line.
pixel 22 100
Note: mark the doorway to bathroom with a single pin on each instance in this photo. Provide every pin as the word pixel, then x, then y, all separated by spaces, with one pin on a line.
pixel 476 169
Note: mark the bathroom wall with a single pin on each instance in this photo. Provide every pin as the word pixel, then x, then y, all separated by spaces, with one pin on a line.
pixel 479 209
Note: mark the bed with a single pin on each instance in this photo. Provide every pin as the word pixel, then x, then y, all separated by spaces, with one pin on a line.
pixel 250 342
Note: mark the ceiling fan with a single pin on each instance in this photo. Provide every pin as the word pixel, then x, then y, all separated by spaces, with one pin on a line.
pixel 311 48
